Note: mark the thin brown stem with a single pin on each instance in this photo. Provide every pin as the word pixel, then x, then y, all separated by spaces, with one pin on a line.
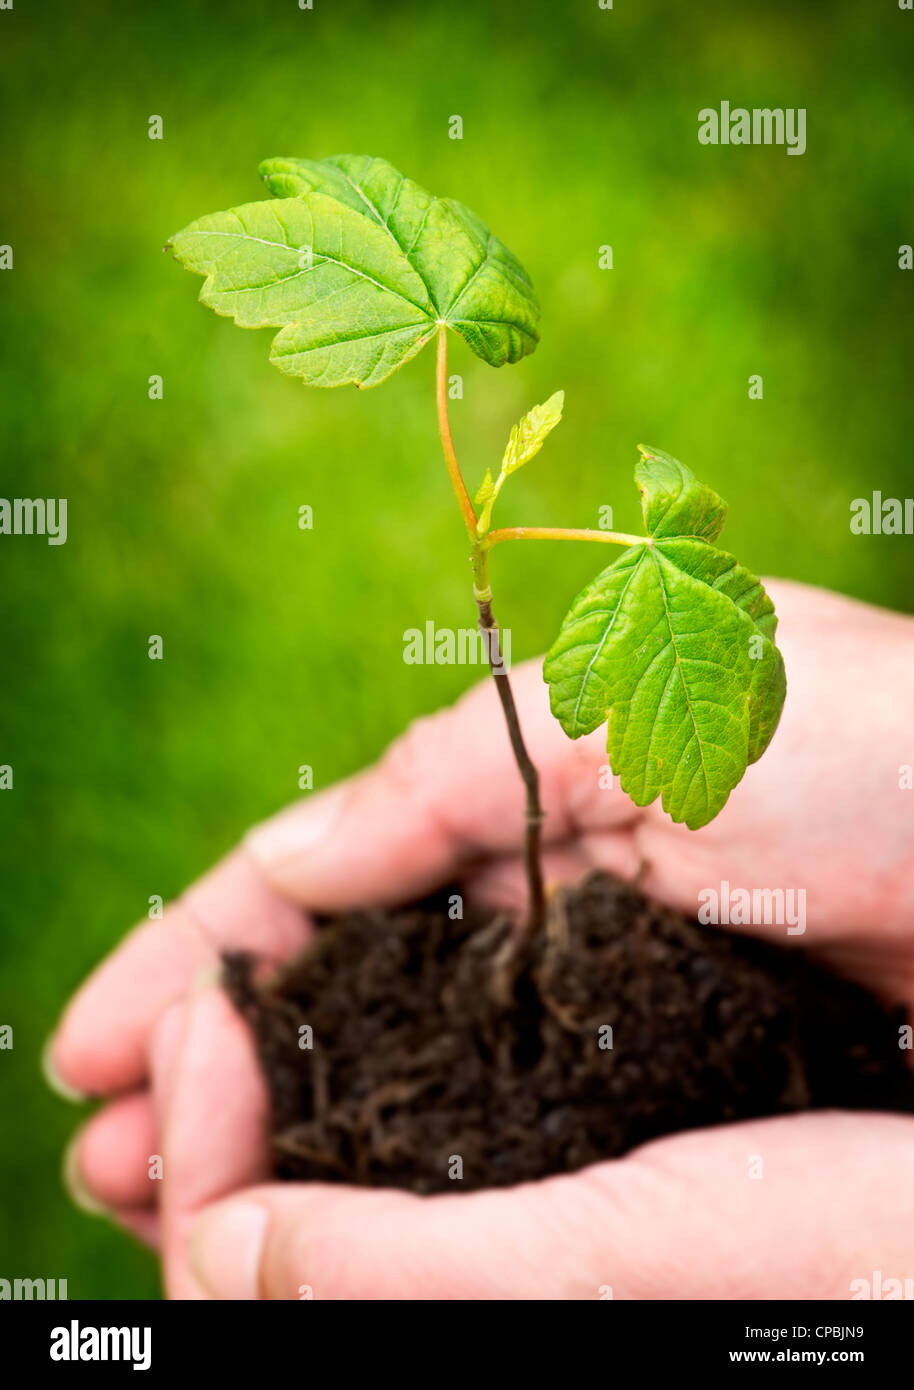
pixel 526 766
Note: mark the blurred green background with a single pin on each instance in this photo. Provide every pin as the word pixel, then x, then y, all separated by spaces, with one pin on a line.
pixel 283 647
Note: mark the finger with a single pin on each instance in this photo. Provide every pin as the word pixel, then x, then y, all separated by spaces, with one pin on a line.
pixel 692 1217
pixel 109 1162
pixel 141 1222
pixel 213 1107
pixel 443 795
pixel 101 1042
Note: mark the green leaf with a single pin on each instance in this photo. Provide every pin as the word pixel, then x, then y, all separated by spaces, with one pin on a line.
pixel 358 266
pixel 529 436
pixel 350 307
pixel 673 645
pixel 486 489
pixel 673 501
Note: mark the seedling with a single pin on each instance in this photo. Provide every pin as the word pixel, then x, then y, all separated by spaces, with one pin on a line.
pixel 672 646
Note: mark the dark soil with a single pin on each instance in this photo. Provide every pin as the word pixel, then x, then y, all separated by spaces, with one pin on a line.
pixel 436 1040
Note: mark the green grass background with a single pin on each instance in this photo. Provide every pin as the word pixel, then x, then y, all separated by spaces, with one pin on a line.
pixel 283 647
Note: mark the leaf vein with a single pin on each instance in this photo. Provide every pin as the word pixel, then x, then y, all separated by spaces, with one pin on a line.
pixel 323 257
pixel 682 678
pixel 603 641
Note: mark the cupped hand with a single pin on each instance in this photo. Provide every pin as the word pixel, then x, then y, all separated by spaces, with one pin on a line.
pixel 823 810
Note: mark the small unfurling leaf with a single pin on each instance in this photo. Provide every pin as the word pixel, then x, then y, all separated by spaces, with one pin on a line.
pixel 529 435
pixel 486 489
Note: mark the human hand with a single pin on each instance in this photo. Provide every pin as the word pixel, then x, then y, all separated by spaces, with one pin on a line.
pixel 822 810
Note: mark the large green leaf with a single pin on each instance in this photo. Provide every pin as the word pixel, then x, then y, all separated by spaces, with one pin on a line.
pixel 358 266
pixel 673 645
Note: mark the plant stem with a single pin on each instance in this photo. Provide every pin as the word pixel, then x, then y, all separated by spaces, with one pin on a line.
pixel 562 533
pixel 447 442
pixel 534 814
pixel 489 628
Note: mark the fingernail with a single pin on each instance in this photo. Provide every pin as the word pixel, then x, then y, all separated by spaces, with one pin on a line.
pixel 59 1087
pixel 76 1189
pixel 226 1244
pixel 300 829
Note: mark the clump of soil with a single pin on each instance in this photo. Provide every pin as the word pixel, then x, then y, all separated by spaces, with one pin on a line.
pixel 435 1040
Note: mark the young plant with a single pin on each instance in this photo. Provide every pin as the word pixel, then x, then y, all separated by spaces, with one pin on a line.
pixel 672 645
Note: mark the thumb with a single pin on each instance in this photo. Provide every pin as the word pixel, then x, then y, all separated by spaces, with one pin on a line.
pixel 795 1207
pixel 444 794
